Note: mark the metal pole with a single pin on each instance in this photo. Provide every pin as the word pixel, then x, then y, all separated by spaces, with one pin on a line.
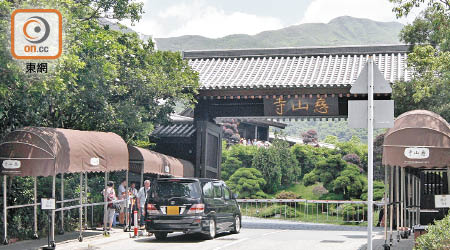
pixel 418 181
pixel 53 210
pixel 386 186
pixel 81 206
pixel 397 196
pixel 35 206
pixel 295 210
pixel 5 212
pixel 402 196
pixel 370 153
pixel 86 201
pixel 105 207
pixel 126 200
pixel 391 200
pixel 62 203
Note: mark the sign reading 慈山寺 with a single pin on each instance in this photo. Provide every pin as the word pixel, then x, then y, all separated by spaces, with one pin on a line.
pixel 301 106
pixel 417 153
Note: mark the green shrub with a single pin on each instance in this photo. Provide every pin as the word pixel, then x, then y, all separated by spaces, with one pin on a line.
pixel 287 195
pixel 273 210
pixel 437 236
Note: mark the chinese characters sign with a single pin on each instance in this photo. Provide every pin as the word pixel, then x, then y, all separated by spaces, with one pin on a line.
pixel 315 106
pixel 417 153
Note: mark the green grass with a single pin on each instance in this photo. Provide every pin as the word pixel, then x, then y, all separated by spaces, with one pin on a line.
pixel 305 192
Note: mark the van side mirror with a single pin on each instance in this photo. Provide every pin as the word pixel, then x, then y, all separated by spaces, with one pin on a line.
pixel 235 196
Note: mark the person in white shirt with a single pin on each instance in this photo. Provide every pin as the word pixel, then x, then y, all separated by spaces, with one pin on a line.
pixel 110 196
pixel 122 195
pixel 141 198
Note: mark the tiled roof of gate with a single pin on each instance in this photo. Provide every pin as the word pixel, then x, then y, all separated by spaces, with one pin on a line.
pixel 174 130
pixel 295 67
pixel 181 126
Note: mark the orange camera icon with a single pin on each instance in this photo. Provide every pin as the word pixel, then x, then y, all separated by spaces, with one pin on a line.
pixel 36 34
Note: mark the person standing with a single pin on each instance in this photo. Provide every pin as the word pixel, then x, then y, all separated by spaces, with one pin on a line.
pixel 132 201
pixel 142 197
pixel 122 196
pixel 110 197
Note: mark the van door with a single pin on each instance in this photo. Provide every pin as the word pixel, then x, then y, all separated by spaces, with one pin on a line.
pixel 219 203
pixel 229 206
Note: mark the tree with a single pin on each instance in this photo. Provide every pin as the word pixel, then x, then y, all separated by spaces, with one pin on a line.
pixel 105 80
pixel 308 156
pixel 326 171
pixel 378 191
pixel 277 164
pixel 230 166
pixel 331 139
pixel 429 33
pixel 352 158
pixel 350 182
pixel 230 130
pixel 310 137
pixel 248 183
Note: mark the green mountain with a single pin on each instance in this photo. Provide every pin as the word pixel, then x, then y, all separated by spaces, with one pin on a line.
pixel 343 30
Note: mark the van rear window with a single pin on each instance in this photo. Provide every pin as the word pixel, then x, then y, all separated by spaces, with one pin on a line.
pixel 168 189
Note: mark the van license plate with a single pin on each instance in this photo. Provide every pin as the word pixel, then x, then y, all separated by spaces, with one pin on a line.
pixel 173 210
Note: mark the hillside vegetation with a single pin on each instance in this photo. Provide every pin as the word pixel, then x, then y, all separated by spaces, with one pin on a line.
pixel 343 30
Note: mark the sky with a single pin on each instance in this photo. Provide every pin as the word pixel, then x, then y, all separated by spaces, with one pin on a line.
pixel 218 18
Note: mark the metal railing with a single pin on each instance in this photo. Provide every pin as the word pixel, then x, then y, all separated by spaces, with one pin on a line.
pixel 317 211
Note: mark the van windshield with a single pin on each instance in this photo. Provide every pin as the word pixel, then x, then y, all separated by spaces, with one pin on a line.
pixel 170 189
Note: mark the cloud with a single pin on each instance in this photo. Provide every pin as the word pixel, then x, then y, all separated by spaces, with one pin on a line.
pixel 200 18
pixel 322 11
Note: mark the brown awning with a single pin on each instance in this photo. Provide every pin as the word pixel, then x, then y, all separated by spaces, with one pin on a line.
pixel 157 163
pixel 419 139
pixel 48 151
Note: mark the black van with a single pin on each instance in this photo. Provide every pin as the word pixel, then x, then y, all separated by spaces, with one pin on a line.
pixel 191 205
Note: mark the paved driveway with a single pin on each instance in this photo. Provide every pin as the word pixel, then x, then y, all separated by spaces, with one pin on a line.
pixel 256 234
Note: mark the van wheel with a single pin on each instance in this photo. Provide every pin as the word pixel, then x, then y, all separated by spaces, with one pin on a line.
pixel 237 225
pixel 211 234
pixel 160 236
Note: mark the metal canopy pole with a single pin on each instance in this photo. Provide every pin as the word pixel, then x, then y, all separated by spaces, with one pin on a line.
pixel 391 201
pixel 370 153
pixel 62 203
pixel 418 197
pixel 53 210
pixel 35 206
pixel 397 198
pixel 142 175
pixel 402 196
pixel 105 207
pixel 81 207
pixel 386 186
pixel 126 200
pixel 5 213
pixel 85 196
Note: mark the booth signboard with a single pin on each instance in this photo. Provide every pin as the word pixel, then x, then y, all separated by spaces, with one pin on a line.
pixel 47 204
pixel 11 164
pixel 442 201
pixel 417 153
pixel 302 106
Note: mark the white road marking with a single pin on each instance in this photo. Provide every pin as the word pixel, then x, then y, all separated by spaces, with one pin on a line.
pixel 231 243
